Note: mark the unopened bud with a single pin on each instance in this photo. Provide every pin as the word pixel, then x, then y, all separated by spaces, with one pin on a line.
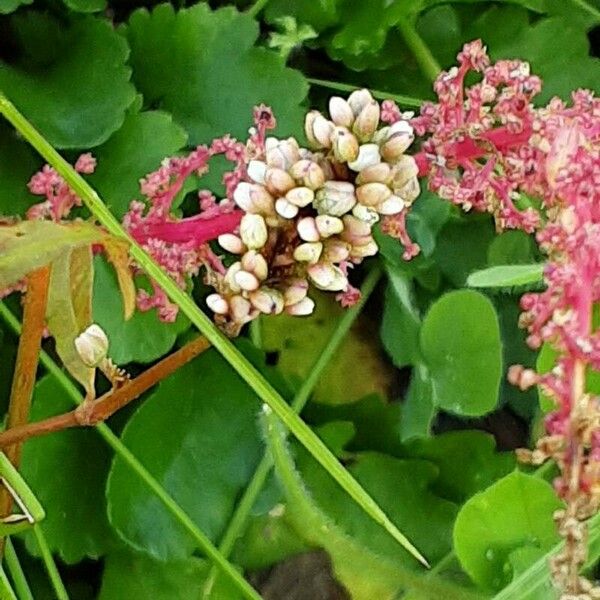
pixel 282 154
pixel 303 308
pixel 367 121
pixel 335 198
pixel 355 227
pixel 368 155
pixel 373 194
pixel 296 291
pixel 409 191
pixel 327 277
pixel 217 304
pixel 308 173
pixel 300 196
pixel 345 145
pixel 267 300
pixel 253 198
pixel 230 274
pixel 308 252
pixel 307 229
pixel 364 250
pixel 328 225
pixel 318 129
pixel 278 181
pixel 247 281
pixel 366 214
pixel 254 262
pixel 358 100
pixel 336 251
pixel 285 209
pixel 240 309
pixel 92 345
pixel 400 136
pixel 392 206
pixel 379 172
pixel 253 231
pixel 257 170
pixel 340 112
pixel 232 243
pixel 403 171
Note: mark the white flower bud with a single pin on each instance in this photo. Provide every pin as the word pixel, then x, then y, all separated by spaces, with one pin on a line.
pixel 282 154
pixel 305 307
pixel 406 168
pixel 368 155
pixel 355 227
pixel 335 198
pixel 366 214
pixel 380 172
pixel 367 121
pixel 253 198
pixel 364 250
pixel 399 137
pixel 255 263
pixel 308 252
pixel 217 304
pixel 358 100
pixel 232 243
pixel 340 112
pixel 327 277
pixel 393 205
pixel 278 181
pixel 344 144
pixel 267 300
pixel 308 173
pixel 296 291
pixel 409 191
pixel 253 231
pixel 240 309
pixel 318 129
pixel 300 196
pixel 336 251
pixel 307 229
pixel 257 170
pixel 229 278
pixel 373 194
pixel 247 281
pixel 92 345
pixel 328 225
pixel 285 209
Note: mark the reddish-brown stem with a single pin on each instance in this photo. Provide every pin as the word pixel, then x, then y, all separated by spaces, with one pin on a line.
pixel 34 322
pixel 93 412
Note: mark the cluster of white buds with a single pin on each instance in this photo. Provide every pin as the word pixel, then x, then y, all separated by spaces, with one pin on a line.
pixel 309 213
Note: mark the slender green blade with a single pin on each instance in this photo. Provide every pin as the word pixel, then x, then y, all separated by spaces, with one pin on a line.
pixel 506 276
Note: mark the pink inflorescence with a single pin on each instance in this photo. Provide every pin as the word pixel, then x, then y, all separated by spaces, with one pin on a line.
pixel 537 169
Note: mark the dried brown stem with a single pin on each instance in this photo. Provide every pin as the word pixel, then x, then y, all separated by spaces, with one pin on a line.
pixel 30 341
pixel 93 412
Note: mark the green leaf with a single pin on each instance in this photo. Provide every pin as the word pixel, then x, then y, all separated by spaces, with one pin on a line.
pixel 460 341
pixel 205 70
pixel 319 14
pixel 507 276
pixel 143 338
pixel 418 408
pixel 68 471
pixel 468 462
pixel 77 95
pixel 8 6
pixel 135 150
pixel 298 343
pixel 514 512
pixel 511 248
pixel 128 576
pixel 86 6
pixel 200 442
pixel 29 245
pixel 401 321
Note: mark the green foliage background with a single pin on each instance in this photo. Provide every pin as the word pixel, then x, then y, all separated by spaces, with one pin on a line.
pixel 414 402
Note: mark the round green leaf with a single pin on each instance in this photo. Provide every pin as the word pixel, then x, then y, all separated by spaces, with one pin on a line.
pixel 460 341
pixel 514 512
pixel 72 81
pixel 8 6
pixel 197 435
pixel 131 153
pixel 67 472
pixel 202 66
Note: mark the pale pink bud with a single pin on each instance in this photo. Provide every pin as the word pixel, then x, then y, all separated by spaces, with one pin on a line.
pixel 409 191
pixel 257 170
pixel 92 345
pixel 253 198
pixel 328 225
pixel 327 277
pixel 335 198
pixel 308 252
pixel 285 209
pixel 399 137
pixel 368 155
pixel 230 274
pixel 300 196
pixel 282 154
pixel 267 300
pixel 217 304
pixel 373 194
pixel 403 171
pixel 379 172
pixel 307 229
pixel 391 206
pixel 366 214
pixel 301 309
pixel 340 112
pixel 318 129
pixel 253 231
pixel 255 263
pixel 308 173
pixel 239 309
pixel 367 121
pixel 247 281
pixel 345 145
pixel 278 181
pixel 295 292
pixel 232 243
pixel 336 251
pixel 358 99
pixel 364 250
pixel 355 227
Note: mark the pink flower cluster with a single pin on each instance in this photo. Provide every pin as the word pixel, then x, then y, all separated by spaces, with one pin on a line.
pixel 536 169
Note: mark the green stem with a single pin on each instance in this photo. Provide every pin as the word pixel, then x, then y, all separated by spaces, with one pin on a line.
pixel 255 9
pixel 136 466
pixel 53 574
pixel 239 519
pixel 430 67
pixel 236 359
pixel 346 87
pixel 589 9
pixel 16 572
pixel 6 591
